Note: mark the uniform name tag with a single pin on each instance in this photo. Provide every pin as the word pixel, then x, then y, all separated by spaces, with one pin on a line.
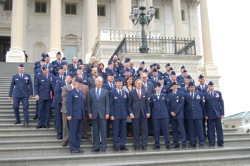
pixel 143 96
pixel 76 96
pixel 115 97
pixel 198 97
pixel 17 79
pixel 42 80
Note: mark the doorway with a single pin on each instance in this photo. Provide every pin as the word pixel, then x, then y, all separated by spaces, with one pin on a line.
pixel 4 47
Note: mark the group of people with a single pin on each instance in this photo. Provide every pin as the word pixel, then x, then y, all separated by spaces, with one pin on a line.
pixel 131 103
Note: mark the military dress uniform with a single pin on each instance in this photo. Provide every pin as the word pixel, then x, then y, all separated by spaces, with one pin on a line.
pixel 160 116
pixel 118 109
pixel 214 107
pixel 75 109
pixel 176 105
pixel 43 88
pixel 20 89
pixel 194 113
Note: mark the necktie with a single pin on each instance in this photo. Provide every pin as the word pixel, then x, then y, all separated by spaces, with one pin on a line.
pixel 145 85
pixel 111 85
pixel 21 75
pixel 98 93
pixel 139 94
pixel 120 93
pixel 158 96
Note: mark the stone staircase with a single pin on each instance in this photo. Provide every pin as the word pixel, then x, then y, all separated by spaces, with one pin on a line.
pixel 28 146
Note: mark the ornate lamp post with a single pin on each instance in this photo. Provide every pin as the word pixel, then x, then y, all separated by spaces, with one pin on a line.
pixel 138 16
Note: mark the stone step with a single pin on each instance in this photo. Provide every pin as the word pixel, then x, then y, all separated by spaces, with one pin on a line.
pixel 28 136
pixel 237 142
pixel 32 124
pixel 29 130
pixel 62 154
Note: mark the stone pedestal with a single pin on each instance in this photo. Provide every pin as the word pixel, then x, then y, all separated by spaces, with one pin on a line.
pixel 15 55
pixel 211 74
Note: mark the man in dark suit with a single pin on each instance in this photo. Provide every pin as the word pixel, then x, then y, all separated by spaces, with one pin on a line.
pixel 74 65
pixel 118 114
pixel 176 104
pixel 99 110
pixel 21 90
pixel 194 113
pixel 139 111
pixel 160 115
pixel 91 79
pixel 75 115
pixel 43 88
pixel 214 107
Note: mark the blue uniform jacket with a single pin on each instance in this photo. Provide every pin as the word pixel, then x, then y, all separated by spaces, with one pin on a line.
pixel 75 104
pixel 43 86
pixel 21 86
pixel 159 108
pixel 194 107
pixel 214 105
pixel 198 89
pixel 176 104
pixel 118 104
pixel 58 92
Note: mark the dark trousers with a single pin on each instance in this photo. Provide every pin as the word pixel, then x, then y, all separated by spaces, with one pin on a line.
pixel 75 133
pixel 58 119
pixel 16 104
pixel 119 128
pixel 212 124
pixel 178 127
pixel 43 113
pixel 99 125
pixel 161 125
pixel 137 123
pixel 195 128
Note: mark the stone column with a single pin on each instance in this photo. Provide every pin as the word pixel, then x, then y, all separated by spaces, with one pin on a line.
pixel 55 28
pixel 16 54
pixel 209 69
pixel 123 10
pixel 90 26
pixel 150 26
pixel 177 18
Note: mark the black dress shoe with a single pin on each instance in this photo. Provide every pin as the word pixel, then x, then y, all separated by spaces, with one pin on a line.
pixel 136 148
pixel 168 147
pixel 85 137
pixel 201 146
pixel 176 146
pixel 52 117
pixel 47 127
pixel 74 151
pixel 38 127
pixel 95 150
pixel 116 149
pixel 184 146
pixel 17 123
pixel 81 151
pixel 193 145
pixel 59 137
pixel 156 147
pixel 64 144
pixel 211 145
pixel 104 150
pixel 124 148
pixel 26 124
pixel 144 148
pixel 220 145
pixel 35 117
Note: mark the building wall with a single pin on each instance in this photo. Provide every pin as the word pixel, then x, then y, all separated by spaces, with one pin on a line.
pixel 38 25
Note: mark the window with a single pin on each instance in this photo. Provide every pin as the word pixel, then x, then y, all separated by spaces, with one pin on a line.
pixel 40 7
pixel 8 5
pixel 157 13
pixel 183 15
pixel 101 10
pixel 70 8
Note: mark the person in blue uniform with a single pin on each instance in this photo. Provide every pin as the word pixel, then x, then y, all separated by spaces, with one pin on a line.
pixel 21 90
pixel 194 113
pixel 43 88
pixel 139 111
pixel 214 107
pixel 176 104
pixel 75 115
pixel 118 114
pixel 56 63
pixel 37 63
pixel 160 115
pixel 57 103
